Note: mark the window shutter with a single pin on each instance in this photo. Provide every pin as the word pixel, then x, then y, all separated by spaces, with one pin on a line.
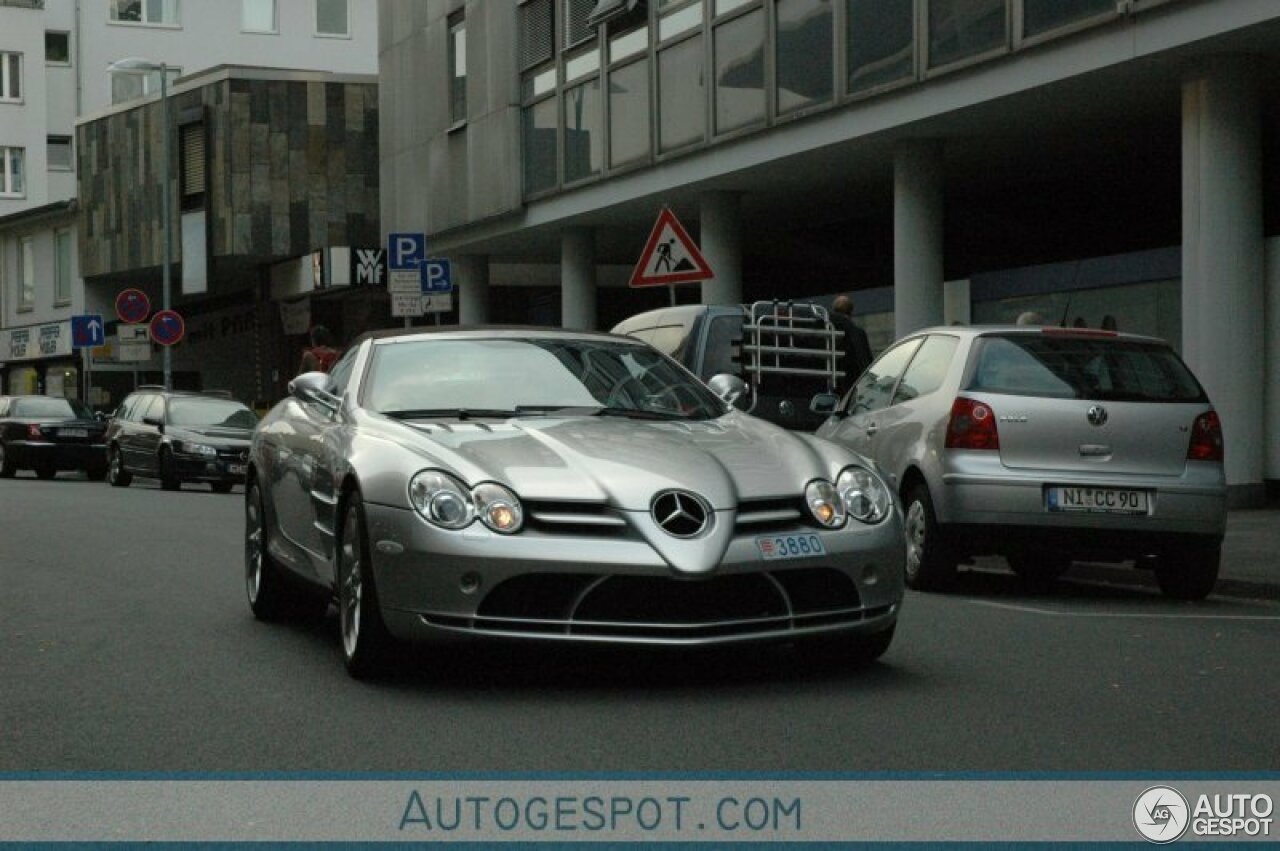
pixel 576 26
pixel 537 36
pixel 193 164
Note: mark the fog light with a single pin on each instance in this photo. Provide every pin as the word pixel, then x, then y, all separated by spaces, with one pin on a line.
pixel 870 575
pixel 470 583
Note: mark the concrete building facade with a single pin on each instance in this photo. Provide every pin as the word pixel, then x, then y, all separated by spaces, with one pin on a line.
pixel 940 160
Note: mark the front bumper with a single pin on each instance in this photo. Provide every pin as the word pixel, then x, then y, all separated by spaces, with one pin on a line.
pixel 208 468
pixel 25 454
pixel 615 588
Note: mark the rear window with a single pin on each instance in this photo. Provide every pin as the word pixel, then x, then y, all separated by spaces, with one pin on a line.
pixel 39 407
pixel 1066 367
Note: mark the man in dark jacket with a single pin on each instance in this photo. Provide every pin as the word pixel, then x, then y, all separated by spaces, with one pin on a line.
pixel 857 351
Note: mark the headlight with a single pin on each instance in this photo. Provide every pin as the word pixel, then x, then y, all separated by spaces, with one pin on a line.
pixel 446 502
pixel 498 508
pixel 824 504
pixel 188 448
pixel 441 499
pixel 864 495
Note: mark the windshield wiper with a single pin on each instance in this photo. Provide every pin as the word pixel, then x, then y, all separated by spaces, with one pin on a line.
pixel 635 413
pixel 450 413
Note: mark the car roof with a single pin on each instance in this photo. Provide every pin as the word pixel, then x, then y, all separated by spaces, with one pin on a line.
pixel 486 332
pixel 1055 330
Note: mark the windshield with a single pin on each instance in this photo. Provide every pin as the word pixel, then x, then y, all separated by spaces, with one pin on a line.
pixel 38 407
pixel 210 412
pixel 1082 368
pixel 530 376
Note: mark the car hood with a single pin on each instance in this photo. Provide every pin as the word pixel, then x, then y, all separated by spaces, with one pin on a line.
pixel 624 462
pixel 215 435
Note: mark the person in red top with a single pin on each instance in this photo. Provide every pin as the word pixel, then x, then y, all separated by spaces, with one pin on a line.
pixel 321 355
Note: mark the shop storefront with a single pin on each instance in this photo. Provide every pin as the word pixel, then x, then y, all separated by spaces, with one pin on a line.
pixel 39 359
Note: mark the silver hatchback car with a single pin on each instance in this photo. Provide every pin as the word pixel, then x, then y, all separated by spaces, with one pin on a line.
pixel 1044 445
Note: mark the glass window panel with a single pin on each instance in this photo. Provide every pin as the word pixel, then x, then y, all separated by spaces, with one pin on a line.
pixel 959 29
pixel 582 64
pixel 331 17
pixel 258 16
pixel 59 152
pixel 458 69
pixel 682 115
pixel 126 10
pixel 583 123
pixel 57 47
pixel 17 171
pixel 928 368
pixel 874 389
pixel 628 44
pixel 540 146
pixel 161 11
pixel 540 82
pixel 125 87
pixel 881 42
pixel 740 72
pixel 11 70
pixel 726 6
pixel 804 53
pixel 1039 16
pixel 629 113
pixel 680 22
pixel 27 297
pixel 62 266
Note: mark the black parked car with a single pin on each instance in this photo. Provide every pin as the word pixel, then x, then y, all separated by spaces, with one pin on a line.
pixel 48 434
pixel 179 437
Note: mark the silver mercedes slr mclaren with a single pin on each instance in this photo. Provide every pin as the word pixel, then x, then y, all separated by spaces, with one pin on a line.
pixel 559 486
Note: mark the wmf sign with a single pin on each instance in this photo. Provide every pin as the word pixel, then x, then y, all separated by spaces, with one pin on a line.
pixel 368 266
pixel 348 266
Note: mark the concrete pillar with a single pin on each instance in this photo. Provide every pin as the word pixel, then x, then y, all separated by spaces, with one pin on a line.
pixel 578 278
pixel 721 237
pixel 1222 257
pixel 917 236
pixel 471 280
pixel 1271 389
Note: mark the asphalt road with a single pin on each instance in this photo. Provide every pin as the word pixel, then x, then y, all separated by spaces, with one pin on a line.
pixel 126 644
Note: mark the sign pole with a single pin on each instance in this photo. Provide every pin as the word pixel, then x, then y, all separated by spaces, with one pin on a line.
pixel 671 288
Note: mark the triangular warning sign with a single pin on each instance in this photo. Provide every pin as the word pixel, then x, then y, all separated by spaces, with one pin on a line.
pixel 670 256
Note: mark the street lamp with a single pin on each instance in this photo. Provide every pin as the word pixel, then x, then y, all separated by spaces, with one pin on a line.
pixel 134 65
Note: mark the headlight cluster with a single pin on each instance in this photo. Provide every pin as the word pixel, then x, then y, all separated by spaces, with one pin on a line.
pixel 186 447
pixel 857 493
pixel 449 504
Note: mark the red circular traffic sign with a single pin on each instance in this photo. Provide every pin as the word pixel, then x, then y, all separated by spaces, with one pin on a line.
pixel 167 327
pixel 132 306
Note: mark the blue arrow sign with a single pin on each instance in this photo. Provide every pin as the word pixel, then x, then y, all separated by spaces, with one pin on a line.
pixel 87 331
pixel 436 276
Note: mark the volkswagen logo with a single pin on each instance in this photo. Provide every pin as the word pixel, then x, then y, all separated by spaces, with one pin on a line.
pixel 680 513
pixel 1098 415
pixel 244 455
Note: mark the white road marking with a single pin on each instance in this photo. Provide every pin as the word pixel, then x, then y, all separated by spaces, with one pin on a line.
pixel 1038 610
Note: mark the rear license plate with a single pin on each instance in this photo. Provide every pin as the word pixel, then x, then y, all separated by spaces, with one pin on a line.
pixel 1098 500
pixel 236 469
pixel 789 546
pixel 73 432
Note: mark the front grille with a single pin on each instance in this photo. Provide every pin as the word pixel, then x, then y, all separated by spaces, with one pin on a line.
pixel 587 519
pixel 761 516
pixel 666 609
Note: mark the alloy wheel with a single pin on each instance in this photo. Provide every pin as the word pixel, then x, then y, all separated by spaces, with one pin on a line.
pixel 916 525
pixel 253 546
pixel 352 591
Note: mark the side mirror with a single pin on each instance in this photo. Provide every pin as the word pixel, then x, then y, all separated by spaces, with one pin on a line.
pixel 154 421
pixel 318 387
pixel 824 404
pixel 728 387
pixel 100 416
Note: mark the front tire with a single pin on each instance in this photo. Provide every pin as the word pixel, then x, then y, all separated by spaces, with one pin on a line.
pixel 168 478
pixel 264 584
pixel 7 468
pixel 366 644
pixel 931 566
pixel 221 487
pixel 1190 572
pixel 116 473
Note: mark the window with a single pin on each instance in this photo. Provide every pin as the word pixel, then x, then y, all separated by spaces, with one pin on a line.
pixel 163 12
pixel 10 76
pixel 682 115
pixel 805 54
pixel 59 153
pixel 536 32
pixel 577 29
pixel 61 267
pixel 928 368
pixel 739 48
pixel 1040 16
pixel 540 146
pixel 875 387
pixel 27 295
pixel 331 18
pixel 629 113
pixel 258 16
pixel 881 37
pixel 961 29
pixel 126 87
pixel 13 172
pixel 583 139
pixel 191 150
pixel 57 48
pixel 680 21
pixel 457 68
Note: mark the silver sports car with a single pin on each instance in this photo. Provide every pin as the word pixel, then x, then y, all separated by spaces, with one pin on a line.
pixel 554 485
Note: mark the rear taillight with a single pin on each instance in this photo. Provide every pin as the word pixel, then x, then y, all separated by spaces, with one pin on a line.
pixel 33 431
pixel 1206 438
pixel 972 426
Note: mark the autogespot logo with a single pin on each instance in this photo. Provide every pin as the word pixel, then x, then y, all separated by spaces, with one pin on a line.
pixel 1160 814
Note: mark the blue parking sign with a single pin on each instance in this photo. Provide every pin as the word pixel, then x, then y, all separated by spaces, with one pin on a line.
pixel 406 250
pixel 437 276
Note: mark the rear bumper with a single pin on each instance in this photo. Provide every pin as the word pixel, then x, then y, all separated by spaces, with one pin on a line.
pixel 25 454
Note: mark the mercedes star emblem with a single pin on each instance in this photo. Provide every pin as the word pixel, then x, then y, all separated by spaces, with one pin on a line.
pixel 680 513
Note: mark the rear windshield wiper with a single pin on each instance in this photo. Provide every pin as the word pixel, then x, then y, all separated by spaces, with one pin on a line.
pixel 450 413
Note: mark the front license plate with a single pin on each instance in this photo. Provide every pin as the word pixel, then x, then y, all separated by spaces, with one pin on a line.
pixel 1098 500
pixel 789 546
pixel 236 469
pixel 73 432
